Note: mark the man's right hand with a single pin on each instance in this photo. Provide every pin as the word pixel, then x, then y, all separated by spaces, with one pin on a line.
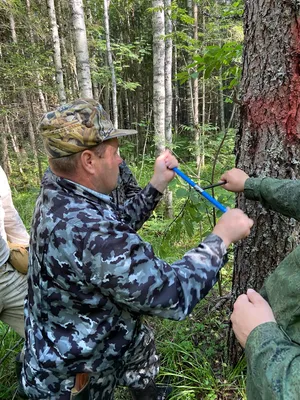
pixel 235 180
pixel 233 226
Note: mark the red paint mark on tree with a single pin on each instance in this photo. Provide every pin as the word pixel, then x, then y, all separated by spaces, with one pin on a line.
pixel 280 108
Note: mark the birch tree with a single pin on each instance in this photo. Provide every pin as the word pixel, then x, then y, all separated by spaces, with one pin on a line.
pixel 158 25
pixel 81 49
pixel 168 94
pixel 111 64
pixel 56 52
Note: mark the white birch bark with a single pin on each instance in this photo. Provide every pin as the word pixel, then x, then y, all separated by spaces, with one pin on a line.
pixel 111 64
pixel 168 93
pixel 56 52
pixel 158 26
pixel 168 72
pixel 81 49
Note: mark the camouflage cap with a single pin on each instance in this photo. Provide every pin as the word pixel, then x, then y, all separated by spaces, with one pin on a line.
pixel 77 126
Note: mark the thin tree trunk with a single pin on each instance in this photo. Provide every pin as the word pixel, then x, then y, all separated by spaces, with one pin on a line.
pixel 196 100
pixel 56 52
pixel 168 94
pixel 38 77
pixel 158 25
pixel 24 100
pixel 111 64
pixel 81 49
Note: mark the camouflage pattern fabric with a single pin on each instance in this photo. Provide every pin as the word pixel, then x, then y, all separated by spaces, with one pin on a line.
pixel 77 126
pixel 273 349
pixel 90 279
pixel 127 186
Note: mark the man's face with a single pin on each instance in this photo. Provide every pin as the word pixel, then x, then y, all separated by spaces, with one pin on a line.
pixel 108 167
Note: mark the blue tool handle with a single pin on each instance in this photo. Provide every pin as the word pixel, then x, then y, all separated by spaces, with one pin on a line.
pixel 184 177
pixel 213 201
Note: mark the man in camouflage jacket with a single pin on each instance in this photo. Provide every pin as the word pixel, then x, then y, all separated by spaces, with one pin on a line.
pixel 267 325
pixel 91 277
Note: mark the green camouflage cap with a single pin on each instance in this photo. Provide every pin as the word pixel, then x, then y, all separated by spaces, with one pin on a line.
pixel 77 126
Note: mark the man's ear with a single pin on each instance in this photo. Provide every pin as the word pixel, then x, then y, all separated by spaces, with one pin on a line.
pixel 87 159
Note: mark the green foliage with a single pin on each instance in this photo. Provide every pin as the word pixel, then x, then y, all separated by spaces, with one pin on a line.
pixel 10 346
pixel 214 57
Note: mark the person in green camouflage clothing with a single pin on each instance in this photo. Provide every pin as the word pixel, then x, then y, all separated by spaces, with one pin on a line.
pixel 91 277
pixel 267 325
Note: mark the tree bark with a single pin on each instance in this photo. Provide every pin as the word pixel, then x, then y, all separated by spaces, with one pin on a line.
pixel 158 25
pixel 111 64
pixel 81 49
pixel 168 93
pixel 56 52
pixel 268 139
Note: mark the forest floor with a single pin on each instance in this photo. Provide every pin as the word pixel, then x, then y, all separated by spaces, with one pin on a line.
pixel 194 354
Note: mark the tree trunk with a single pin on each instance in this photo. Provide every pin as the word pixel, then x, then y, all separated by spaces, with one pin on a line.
pixel 111 64
pixel 268 139
pixel 81 49
pixel 56 52
pixel 38 77
pixel 168 94
pixel 31 133
pixel 158 25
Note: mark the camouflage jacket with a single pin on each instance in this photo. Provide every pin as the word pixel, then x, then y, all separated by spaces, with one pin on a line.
pixel 127 186
pixel 273 349
pixel 91 277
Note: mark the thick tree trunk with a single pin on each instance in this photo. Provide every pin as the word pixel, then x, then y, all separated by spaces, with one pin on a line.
pixel 268 141
pixel 81 49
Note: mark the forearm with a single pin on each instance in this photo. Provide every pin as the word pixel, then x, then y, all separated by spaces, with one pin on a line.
pixel 273 364
pixel 148 285
pixel 281 195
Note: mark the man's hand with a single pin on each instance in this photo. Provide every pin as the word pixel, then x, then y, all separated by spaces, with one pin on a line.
pixel 249 311
pixel 235 180
pixel 233 226
pixel 163 173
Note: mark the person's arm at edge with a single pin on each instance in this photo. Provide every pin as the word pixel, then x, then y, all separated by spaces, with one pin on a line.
pixel 274 362
pixel 281 195
pixel 13 225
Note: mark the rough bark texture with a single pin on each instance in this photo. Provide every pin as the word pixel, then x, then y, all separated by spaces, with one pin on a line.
pixel 268 141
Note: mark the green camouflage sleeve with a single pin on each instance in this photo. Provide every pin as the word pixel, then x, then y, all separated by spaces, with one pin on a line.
pixel 273 362
pixel 281 195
